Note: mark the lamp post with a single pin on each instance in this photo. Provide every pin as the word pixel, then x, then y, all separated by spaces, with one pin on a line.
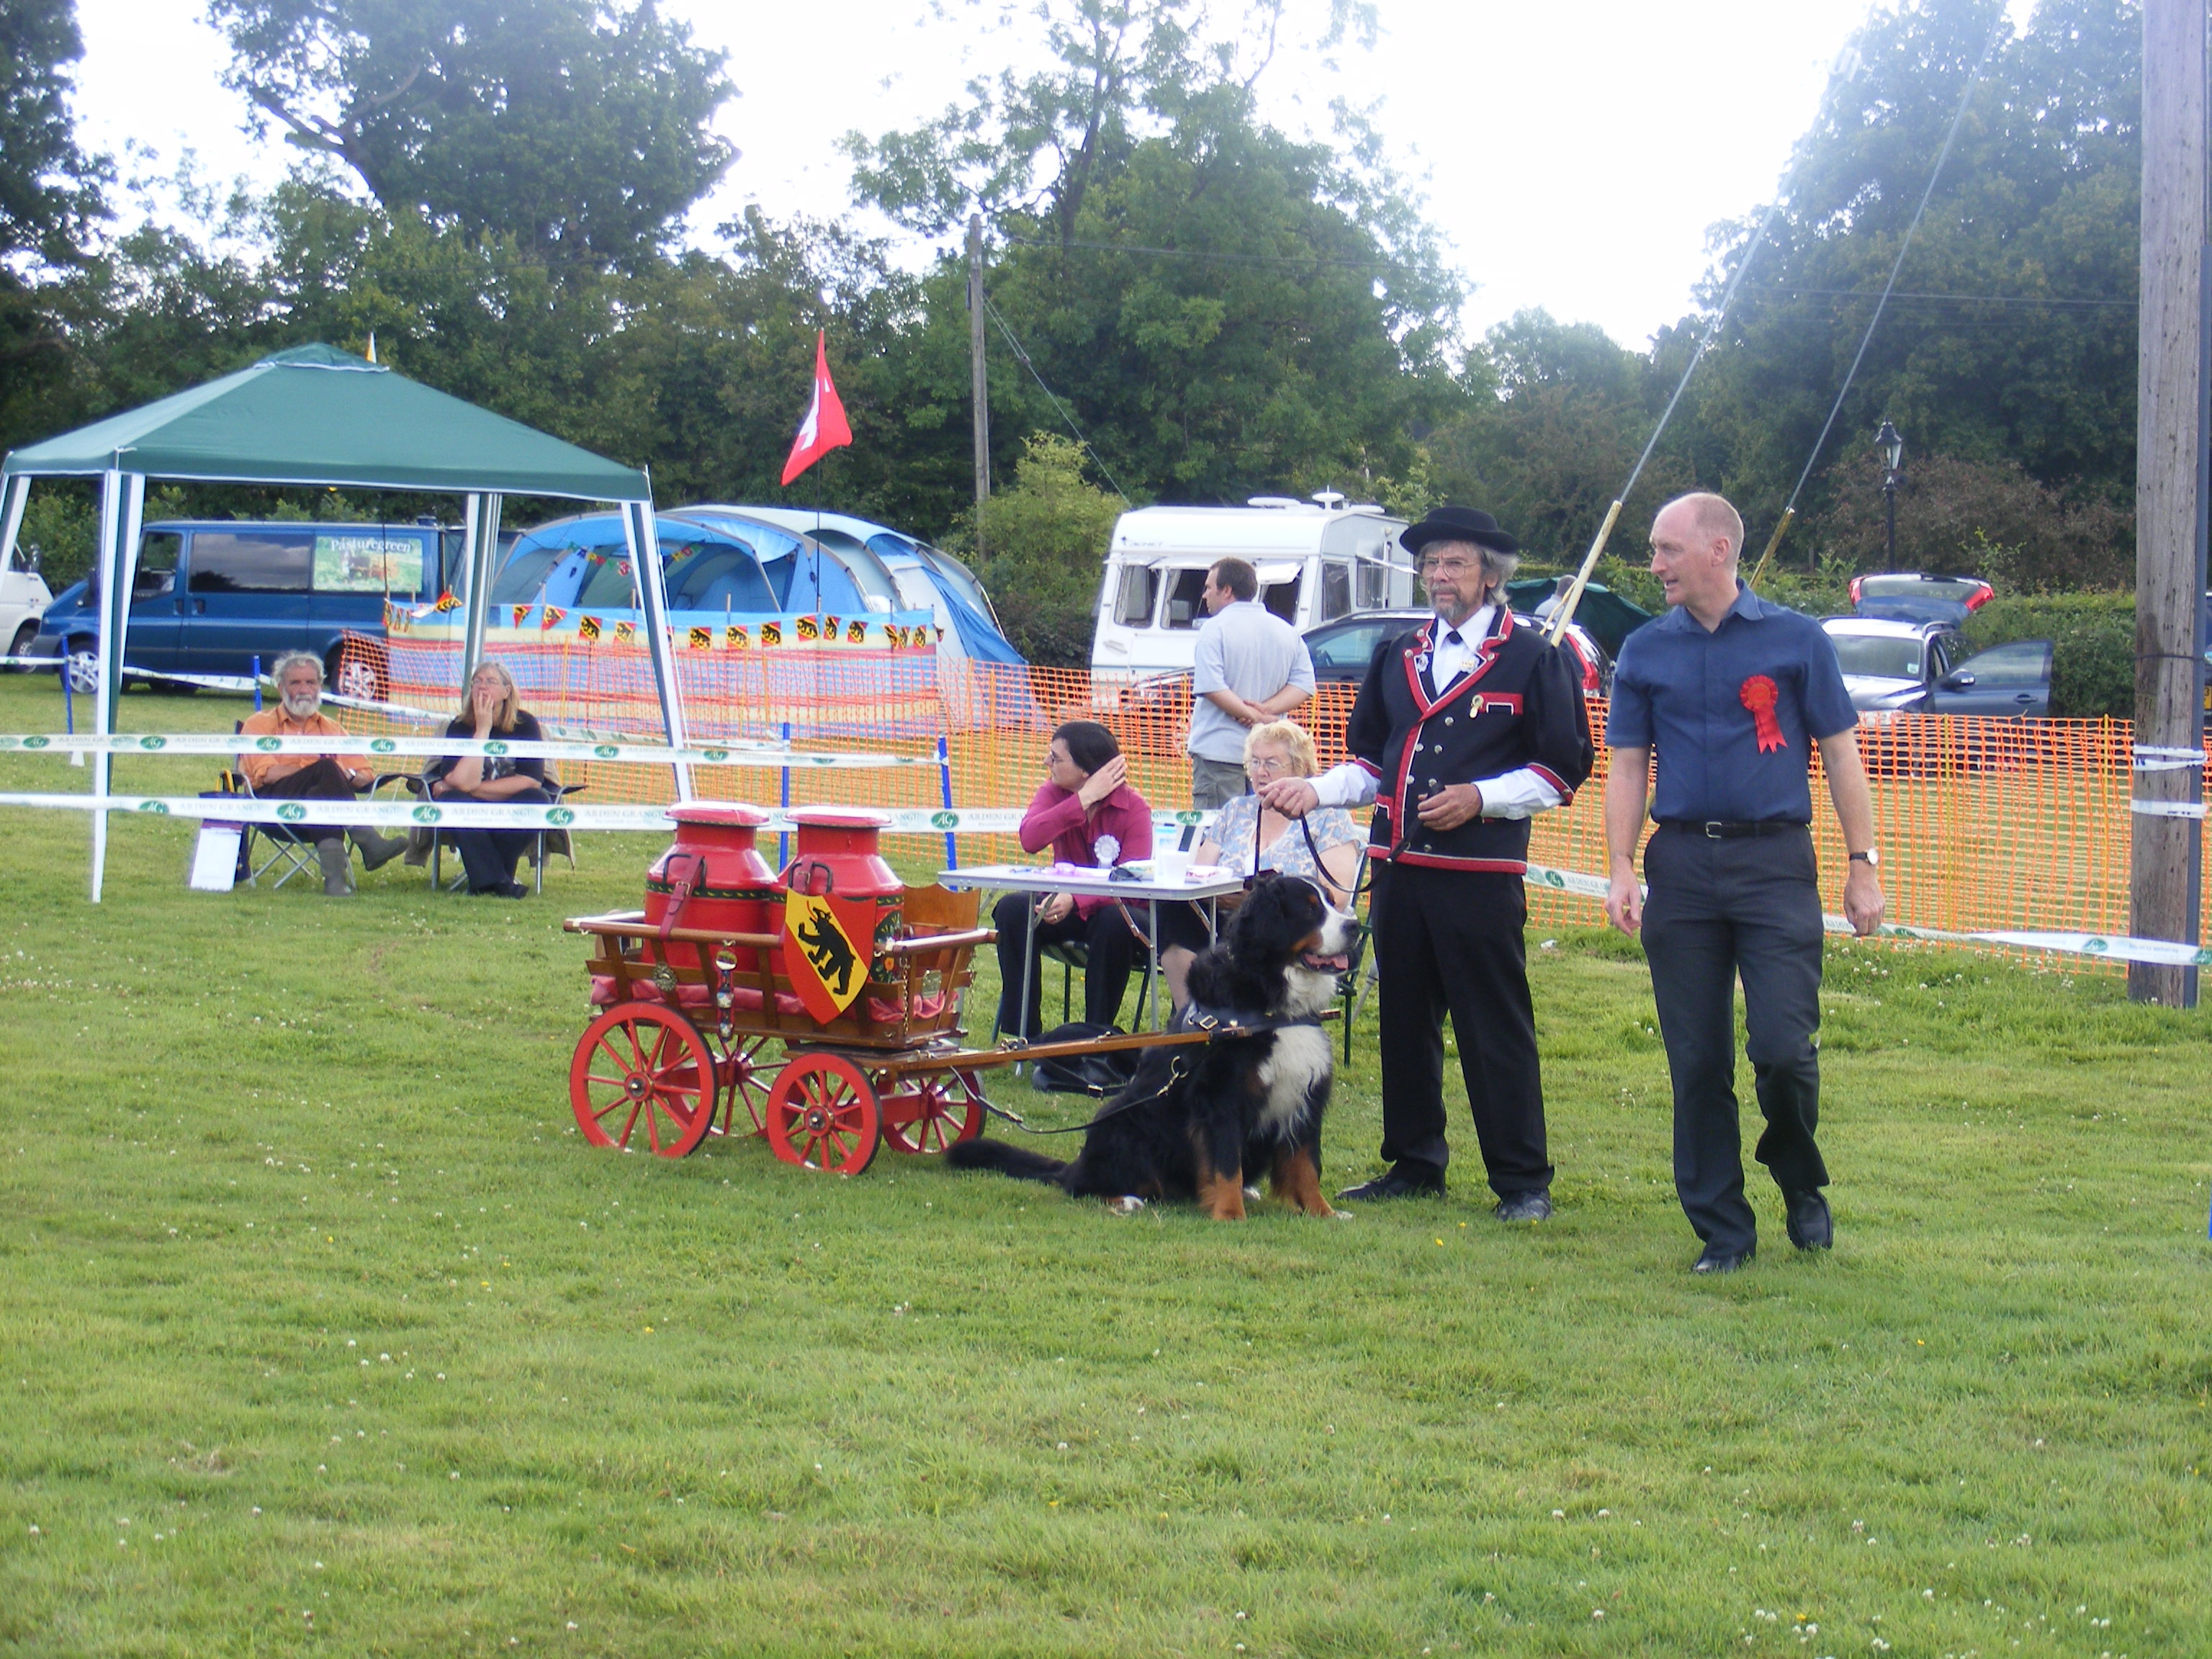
pixel 1890 446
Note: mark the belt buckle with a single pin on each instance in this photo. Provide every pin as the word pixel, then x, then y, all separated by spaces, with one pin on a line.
pixel 1713 829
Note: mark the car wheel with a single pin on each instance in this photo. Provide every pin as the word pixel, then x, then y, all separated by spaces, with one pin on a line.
pixel 81 662
pixel 21 643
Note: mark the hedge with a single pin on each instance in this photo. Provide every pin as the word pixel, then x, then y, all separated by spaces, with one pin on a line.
pixel 2093 639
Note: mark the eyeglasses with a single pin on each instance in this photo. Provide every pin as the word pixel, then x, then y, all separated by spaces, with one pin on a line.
pixel 1269 765
pixel 1452 568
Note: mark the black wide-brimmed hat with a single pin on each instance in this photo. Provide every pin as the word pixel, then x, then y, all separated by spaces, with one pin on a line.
pixel 1457 524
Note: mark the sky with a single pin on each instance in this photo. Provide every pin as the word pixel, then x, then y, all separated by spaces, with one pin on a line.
pixel 1573 155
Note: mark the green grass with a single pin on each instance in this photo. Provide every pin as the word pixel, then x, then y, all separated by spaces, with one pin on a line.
pixel 322 1331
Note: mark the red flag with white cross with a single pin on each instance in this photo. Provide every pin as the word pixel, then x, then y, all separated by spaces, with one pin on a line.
pixel 824 428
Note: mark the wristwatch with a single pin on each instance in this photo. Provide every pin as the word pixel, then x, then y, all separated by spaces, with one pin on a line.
pixel 1871 858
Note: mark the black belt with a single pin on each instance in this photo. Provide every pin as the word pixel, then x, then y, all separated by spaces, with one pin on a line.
pixel 1713 830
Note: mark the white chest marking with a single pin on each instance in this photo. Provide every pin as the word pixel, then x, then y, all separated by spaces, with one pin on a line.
pixel 1299 1058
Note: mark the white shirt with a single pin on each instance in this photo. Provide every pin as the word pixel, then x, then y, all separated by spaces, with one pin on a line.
pixel 1520 794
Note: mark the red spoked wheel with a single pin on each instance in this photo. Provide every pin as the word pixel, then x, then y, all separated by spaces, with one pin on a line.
pixel 744 1074
pixel 821 1114
pixel 642 1070
pixel 931 1111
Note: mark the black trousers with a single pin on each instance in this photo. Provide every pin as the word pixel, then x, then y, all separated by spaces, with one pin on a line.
pixel 325 779
pixel 1112 948
pixel 1718 910
pixel 489 855
pixel 1452 940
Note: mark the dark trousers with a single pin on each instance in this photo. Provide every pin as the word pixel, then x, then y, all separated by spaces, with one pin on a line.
pixel 1105 936
pixel 325 779
pixel 489 855
pixel 1452 940
pixel 1719 909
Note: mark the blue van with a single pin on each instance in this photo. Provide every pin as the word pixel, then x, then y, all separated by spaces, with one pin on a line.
pixel 213 595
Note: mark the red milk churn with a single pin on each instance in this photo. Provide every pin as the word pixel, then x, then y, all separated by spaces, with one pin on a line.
pixel 836 859
pixel 712 877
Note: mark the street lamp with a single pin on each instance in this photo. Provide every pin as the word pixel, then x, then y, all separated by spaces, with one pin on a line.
pixel 1890 446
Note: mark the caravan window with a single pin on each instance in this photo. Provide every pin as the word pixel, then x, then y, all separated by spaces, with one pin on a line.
pixel 1335 591
pixel 1282 598
pixel 1186 606
pixel 1140 587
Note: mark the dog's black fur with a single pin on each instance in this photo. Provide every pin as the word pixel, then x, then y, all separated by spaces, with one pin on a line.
pixel 1198 1117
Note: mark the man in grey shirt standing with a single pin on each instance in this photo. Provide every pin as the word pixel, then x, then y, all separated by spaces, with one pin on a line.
pixel 1251 667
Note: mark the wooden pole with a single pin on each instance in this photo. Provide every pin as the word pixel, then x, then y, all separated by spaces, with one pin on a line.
pixel 2164 896
pixel 979 389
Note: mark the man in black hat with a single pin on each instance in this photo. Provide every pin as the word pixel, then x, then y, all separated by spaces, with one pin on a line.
pixel 1465 728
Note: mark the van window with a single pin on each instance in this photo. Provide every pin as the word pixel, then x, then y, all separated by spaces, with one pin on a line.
pixel 366 562
pixel 252 560
pixel 1282 598
pixel 1186 601
pixel 157 563
pixel 1140 588
pixel 1335 591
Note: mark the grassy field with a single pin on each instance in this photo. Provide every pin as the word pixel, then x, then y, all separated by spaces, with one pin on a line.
pixel 322 1331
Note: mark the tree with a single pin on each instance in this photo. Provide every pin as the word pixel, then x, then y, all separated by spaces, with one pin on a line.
pixel 1226 309
pixel 50 200
pixel 1047 536
pixel 2011 335
pixel 576 127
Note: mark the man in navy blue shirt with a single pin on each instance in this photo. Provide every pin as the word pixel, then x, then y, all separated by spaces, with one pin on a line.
pixel 1731 693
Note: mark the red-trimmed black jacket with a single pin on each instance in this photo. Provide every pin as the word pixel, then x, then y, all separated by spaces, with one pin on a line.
pixel 1521 705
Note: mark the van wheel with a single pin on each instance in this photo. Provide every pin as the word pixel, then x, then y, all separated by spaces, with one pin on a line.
pixel 22 642
pixel 81 662
pixel 355 678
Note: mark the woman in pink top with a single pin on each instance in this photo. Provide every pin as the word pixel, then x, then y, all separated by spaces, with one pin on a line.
pixel 1088 815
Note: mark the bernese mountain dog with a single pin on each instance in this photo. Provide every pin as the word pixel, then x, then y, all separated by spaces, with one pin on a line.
pixel 1200 1120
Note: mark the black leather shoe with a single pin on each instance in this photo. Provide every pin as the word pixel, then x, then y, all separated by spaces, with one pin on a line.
pixel 1718 1260
pixel 1404 1181
pixel 1810 1227
pixel 1524 1206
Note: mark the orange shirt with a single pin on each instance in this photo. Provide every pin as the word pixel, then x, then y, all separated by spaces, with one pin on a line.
pixel 274 722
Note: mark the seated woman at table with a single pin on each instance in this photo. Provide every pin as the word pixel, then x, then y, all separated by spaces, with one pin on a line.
pixel 1246 838
pixel 1086 803
pixel 493 708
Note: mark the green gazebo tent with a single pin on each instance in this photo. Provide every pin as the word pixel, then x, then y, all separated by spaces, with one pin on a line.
pixel 317 416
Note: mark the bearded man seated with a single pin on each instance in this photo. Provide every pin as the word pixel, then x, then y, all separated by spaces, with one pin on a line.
pixel 299 714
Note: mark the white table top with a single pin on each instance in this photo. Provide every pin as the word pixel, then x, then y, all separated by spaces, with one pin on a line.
pixel 1043 879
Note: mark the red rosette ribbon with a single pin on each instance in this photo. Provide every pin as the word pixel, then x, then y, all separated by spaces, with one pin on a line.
pixel 1759 695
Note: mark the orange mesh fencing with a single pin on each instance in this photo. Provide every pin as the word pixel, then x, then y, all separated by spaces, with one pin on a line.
pixel 1984 825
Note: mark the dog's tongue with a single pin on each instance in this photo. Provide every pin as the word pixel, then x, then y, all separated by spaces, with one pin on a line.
pixel 1321 965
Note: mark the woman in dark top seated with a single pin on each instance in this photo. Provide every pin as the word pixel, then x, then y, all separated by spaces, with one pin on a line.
pixel 493 709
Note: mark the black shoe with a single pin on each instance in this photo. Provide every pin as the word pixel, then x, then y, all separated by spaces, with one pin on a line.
pixel 1402 1180
pixel 1717 1260
pixel 1810 1227
pixel 1524 1206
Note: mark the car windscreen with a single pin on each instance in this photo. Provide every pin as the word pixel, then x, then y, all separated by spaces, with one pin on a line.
pixel 1878 656
pixel 1958 590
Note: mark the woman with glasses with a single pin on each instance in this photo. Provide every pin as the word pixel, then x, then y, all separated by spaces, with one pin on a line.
pixel 1089 815
pixel 1246 837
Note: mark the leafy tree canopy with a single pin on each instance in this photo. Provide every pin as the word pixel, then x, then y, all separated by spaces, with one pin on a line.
pixel 50 192
pixel 576 127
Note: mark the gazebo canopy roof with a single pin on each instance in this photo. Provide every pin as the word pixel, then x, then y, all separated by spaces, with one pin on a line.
pixel 314 415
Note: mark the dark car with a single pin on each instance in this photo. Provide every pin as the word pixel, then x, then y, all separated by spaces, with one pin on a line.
pixel 1342 649
pixel 212 596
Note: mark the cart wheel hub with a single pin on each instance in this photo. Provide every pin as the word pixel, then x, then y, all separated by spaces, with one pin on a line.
pixel 638 1085
pixel 816 1120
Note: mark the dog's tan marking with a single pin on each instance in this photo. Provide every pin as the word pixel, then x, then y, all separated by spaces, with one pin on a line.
pixel 1222 1196
pixel 1297 1182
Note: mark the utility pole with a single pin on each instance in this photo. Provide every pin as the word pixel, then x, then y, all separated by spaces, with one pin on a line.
pixel 2171 432
pixel 980 379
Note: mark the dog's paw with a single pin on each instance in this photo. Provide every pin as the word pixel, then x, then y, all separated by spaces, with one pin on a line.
pixel 1128 1204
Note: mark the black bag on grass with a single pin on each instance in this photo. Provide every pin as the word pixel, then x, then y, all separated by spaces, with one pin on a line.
pixel 1097 1075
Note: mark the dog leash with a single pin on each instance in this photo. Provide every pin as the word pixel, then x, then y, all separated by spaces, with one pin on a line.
pixel 1220 1028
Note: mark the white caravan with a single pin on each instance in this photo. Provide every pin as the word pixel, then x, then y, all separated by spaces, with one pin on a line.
pixel 1316 560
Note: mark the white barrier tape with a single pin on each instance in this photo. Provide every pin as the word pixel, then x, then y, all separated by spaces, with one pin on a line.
pixel 2151 757
pixel 489 815
pixel 768 755
pixel 2167 808
pixel 2116 947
